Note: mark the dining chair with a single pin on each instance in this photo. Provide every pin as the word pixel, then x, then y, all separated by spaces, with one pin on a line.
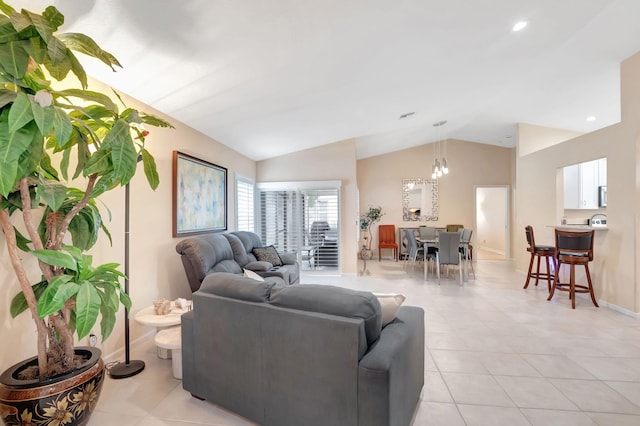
pixel 413 250
pixel 573 248
pixel 538 252
pixel 465 248
pixel 449 252
pixel 387 240
pixel 428 233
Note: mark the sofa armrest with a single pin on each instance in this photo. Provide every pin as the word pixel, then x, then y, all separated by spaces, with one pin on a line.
pixel 288 258
pixel 258 266
pixel 391 374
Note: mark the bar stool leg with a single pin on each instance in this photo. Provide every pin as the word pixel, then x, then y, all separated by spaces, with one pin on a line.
pixel 526 284
pixel 593 296
pixel 572 288
pixel 548 273
pixel 555 281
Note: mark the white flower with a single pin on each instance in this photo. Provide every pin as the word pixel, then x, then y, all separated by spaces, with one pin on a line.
pixel 44 98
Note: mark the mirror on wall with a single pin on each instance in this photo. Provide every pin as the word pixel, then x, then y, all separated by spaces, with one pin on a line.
pixel 585 185
pixel 419 199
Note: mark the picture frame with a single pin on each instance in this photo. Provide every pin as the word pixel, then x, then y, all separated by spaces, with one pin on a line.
pixel 199 196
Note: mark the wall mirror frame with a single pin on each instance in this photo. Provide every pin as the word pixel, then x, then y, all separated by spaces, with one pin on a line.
pixel 419 200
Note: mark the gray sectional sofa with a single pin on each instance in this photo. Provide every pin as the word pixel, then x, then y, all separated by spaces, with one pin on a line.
pixel 302 355
pixel 233 252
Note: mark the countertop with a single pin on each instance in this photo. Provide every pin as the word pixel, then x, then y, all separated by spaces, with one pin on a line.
pixel 570 227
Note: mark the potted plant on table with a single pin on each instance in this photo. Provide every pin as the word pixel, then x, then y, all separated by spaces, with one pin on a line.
pixel 43 130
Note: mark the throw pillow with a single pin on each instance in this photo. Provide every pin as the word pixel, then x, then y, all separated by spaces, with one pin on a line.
pixel 267 254
pixel 252 275
pixel 390 304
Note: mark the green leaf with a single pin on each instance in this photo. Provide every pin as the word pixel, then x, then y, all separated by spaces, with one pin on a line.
pixel 107 322
pixel 22 242
pixel 42 25
pixel 20 113
pixel 85 44
pixel 19 303
pixel 125 299
pixel 99 163
pixel 150 169
pixel 12 145
pixel 42 116
pixel 59 290
pixel 123 151
pixel 53 193
pixel 56 258
pixel 8 177
pixel 6 97
pixel 6 9
pixel 73 251
pixel 54 17
pixel 14 59
pixel 77 69
pixel 87 308
pixel 154 121
pixel 81 232
pixel 62 126
pixel 90 96
pixel 58 70
pixel 32 157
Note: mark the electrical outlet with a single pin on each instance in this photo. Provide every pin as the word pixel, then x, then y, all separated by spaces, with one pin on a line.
pixel 93 339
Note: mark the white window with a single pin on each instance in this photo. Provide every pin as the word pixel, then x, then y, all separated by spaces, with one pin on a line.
pixel 244 204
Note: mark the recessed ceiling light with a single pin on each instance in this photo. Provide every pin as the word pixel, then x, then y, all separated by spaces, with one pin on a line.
pixel 519 26
pixel 408 114
pixel 591 118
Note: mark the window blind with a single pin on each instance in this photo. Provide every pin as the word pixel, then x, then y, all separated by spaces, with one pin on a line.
pixel 305 221
pixel 245 215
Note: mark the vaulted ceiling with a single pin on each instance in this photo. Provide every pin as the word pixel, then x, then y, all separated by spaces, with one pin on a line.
pixel 270 77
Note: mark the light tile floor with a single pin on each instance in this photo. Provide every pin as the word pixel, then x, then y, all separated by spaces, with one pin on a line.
pixel 495 355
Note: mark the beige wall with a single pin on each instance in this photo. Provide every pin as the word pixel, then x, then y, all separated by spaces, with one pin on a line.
pixel 329 162
pixel 539 184
pixel 155 267
pixel 534 138
pixel 470 165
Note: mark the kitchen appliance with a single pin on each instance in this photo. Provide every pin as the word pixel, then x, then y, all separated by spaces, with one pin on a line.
pixel 602 196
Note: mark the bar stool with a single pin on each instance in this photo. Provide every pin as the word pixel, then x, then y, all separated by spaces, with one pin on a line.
pixel 538 252
pixel 574 248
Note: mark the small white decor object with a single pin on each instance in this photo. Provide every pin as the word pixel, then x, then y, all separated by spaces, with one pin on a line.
pixel 181 303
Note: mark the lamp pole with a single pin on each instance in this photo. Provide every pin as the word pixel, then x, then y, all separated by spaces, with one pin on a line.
pixel 130 367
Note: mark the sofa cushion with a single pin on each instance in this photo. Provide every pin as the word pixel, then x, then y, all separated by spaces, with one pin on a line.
pixel 390 304
pixel 267 254
pixel 237 287
pixel 333 300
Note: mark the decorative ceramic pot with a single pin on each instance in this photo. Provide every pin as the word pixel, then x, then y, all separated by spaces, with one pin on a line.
pixel 66 400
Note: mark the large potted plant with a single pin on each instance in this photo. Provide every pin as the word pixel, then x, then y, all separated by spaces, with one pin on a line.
pixel 50 139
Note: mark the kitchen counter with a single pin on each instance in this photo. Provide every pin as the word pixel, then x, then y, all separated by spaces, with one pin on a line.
pixel 569 227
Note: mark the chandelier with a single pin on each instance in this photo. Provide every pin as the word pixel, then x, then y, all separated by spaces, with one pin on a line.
pixel 440 166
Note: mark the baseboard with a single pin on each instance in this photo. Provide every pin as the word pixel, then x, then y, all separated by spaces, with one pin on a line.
pixel 620 309
pixel 118 354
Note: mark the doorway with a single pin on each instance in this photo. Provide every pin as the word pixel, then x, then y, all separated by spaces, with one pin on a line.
pixel 492 223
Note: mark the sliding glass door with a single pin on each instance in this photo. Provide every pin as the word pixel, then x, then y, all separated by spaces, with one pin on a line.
pixel 303 218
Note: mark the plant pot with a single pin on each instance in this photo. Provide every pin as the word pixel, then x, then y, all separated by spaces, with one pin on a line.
pixel 66 400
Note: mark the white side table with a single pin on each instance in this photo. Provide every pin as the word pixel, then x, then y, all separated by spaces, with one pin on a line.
pixel 147 316
pixel 171 339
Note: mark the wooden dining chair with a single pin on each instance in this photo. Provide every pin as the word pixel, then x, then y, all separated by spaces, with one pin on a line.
pixel 387 240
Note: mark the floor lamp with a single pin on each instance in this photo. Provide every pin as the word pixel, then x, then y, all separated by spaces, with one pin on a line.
pixel 130 367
